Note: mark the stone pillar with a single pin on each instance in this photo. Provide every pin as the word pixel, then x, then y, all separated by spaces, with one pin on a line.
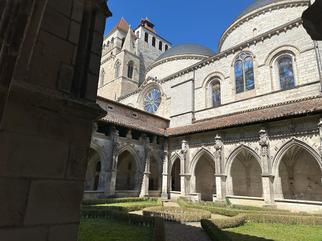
pixel 278 191
pixel 49 66
pixel 220 179
pixel 183 174
pixel 267 178
pixel 165 172
pixel 110 191
pixel 145 182
pixel 221 187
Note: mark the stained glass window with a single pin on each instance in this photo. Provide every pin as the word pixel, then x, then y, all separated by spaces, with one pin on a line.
pixel 152 100
pixel 286 73
pixel 216 95
pixel 244 72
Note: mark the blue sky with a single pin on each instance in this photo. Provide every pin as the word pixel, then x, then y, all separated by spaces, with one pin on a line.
pixel 180 21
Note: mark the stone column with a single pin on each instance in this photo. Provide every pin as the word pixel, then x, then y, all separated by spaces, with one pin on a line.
pixel 112 173
pixel 145 182
pixel 165 172
pixel 220 179
pixel 49 67
pixel 183 174
pixel 278 191
pixel 267 178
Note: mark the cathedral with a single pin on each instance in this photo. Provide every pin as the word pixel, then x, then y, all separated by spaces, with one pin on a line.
pixel 242 123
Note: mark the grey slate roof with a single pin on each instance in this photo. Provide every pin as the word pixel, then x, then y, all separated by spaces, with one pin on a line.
pixel 186 49
pixel 256 5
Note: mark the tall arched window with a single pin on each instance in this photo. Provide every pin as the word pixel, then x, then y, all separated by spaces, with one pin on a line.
pixel 153 41
pixel 130 69
pixel 244 72
pixel 146 37
pixel 286 72
pixel 160 45
pixel 117 67
pixel 166 47
pixel 216 94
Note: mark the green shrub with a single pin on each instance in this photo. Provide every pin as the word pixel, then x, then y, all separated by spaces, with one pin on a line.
pixel 232 222
pixel 177 214
pixel 156 223
pixel 284 219
pixel 215 233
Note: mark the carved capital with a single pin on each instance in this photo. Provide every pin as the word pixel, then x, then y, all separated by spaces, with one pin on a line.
pixel 218 143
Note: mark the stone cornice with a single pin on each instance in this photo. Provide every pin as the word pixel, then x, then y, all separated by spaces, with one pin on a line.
pixel 260 38
pixel 241 20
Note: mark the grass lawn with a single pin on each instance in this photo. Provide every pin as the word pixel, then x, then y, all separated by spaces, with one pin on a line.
pixel 110 230
pixel 277 232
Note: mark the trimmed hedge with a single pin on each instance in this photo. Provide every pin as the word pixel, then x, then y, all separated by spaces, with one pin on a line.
pixel 264 216
pixel 133 219
pixel 231 222
pixel 284 219
pixel 112 200
pixel 177 214
pixel 214 232
pixel 122 208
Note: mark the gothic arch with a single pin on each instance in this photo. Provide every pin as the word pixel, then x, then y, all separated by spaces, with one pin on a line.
pixel 234 153
pixel 173 158
pixel 293 142
pixel 244 173
pixel 211 76
pixel 276 52
pixel 132 151
pixel 202 151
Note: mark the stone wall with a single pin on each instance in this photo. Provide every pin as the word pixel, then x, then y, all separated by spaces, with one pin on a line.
pixel 49 62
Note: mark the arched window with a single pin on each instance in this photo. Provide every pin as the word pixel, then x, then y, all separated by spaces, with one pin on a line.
pixel 166 47
pixel 146 37
pixel 216 94
pixel 117 69
pixel 153 41
pixel 244 72
pixel 160 45
pixel 130 69
pixel 286 72
pixel 112 40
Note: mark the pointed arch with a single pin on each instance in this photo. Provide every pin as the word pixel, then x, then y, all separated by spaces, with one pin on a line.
pixel 202 151
pixel 173 158
pixel 132 151
pixel 175 170
pixel 235 152
pixel 291 143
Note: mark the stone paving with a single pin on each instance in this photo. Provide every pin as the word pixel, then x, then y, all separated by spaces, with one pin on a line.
pixel 182 232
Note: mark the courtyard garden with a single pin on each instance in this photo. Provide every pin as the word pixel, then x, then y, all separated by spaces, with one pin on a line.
pixel 137 219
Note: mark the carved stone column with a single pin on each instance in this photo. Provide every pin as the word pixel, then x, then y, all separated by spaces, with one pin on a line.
pixel 165 172
pixel 267 178
pixel 112 173
pixel 146 175
pixel 183 175
pixel 220 179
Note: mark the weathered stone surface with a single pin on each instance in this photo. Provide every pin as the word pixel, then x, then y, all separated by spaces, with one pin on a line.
pixel 53 202
pixel 63 233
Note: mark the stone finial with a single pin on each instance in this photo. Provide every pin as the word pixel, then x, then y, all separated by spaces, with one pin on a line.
pixel 263 138
pixel 184 147
pixel 218 143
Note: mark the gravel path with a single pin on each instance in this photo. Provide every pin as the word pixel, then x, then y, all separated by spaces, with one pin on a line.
pixel 181 232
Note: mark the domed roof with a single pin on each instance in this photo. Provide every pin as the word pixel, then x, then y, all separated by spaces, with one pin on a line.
pixel 256 5
pixel 186 49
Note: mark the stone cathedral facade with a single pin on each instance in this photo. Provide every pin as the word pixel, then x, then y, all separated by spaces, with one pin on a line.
pixel 244 123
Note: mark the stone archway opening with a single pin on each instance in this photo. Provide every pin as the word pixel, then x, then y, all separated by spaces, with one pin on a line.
pixel 246 175
pixel 301 175
pixel 205 178
pixel 154 178
pixel 93 171
pixel 126 178
pixel 175 176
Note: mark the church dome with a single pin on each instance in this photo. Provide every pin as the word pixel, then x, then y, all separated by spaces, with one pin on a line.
pixel 186 49
pixel 257 5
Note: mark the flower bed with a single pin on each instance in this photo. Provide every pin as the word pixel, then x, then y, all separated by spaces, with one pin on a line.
pixel 177 214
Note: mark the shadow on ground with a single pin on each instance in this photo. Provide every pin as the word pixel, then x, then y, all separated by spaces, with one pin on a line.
pixel 182 232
